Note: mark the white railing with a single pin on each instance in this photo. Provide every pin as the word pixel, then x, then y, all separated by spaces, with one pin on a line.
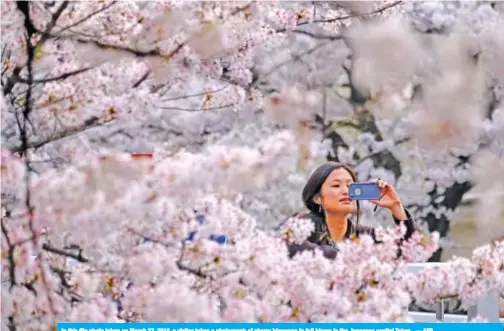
pixel 487 307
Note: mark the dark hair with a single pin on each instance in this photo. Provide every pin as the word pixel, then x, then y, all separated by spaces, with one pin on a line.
pixel 314 185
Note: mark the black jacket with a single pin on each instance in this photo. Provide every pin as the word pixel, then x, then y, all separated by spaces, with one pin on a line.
pixel 320 238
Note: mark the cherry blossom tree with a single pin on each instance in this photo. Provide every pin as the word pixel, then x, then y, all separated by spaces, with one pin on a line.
pixel 90 233
pixel 369 118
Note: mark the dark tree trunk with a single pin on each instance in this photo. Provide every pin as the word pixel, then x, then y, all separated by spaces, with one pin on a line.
pixel 452 199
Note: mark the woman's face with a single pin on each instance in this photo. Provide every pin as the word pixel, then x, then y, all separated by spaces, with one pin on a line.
pixel 334 193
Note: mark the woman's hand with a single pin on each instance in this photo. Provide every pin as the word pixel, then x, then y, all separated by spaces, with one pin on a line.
pixel 389 199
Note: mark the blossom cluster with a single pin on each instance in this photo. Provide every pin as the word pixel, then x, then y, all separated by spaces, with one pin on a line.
pixel 147 256
pixel 466 279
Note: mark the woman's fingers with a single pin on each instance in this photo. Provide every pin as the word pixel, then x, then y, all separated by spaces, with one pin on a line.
pixel 376 181
pixel 381 183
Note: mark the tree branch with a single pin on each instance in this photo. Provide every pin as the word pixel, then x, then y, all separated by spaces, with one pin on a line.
pixel 10 256
pixel 52 23
pixel 293 58
pixel 23 7
pixel 199 109
pixel 11 81
pixel 88 124
pixel 87 17
pixel 179 263
pixel 375 154
pixel 331 20
pixel 53 79
pixel 142 79
pixel 77 257
pixel 318 36
pixel 181 266
pixel 135 52
pixel 240 9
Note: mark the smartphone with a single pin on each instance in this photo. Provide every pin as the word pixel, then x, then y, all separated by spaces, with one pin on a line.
pixel 364 191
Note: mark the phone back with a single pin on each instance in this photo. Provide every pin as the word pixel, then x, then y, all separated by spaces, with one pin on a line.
pixel 364 191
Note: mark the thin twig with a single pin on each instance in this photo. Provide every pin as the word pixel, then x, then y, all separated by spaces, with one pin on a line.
pixel 96 12
pixel 331 20
pixel 195 94
pixel 181 266
pixel 199 109
pixel 77 257
pixel 10 256
pixel 88 124
pixel 46 33
pixel 293 58
pixel 53 79
pixel 319 36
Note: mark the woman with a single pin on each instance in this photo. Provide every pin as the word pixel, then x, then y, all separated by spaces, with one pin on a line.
pixel 326 197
